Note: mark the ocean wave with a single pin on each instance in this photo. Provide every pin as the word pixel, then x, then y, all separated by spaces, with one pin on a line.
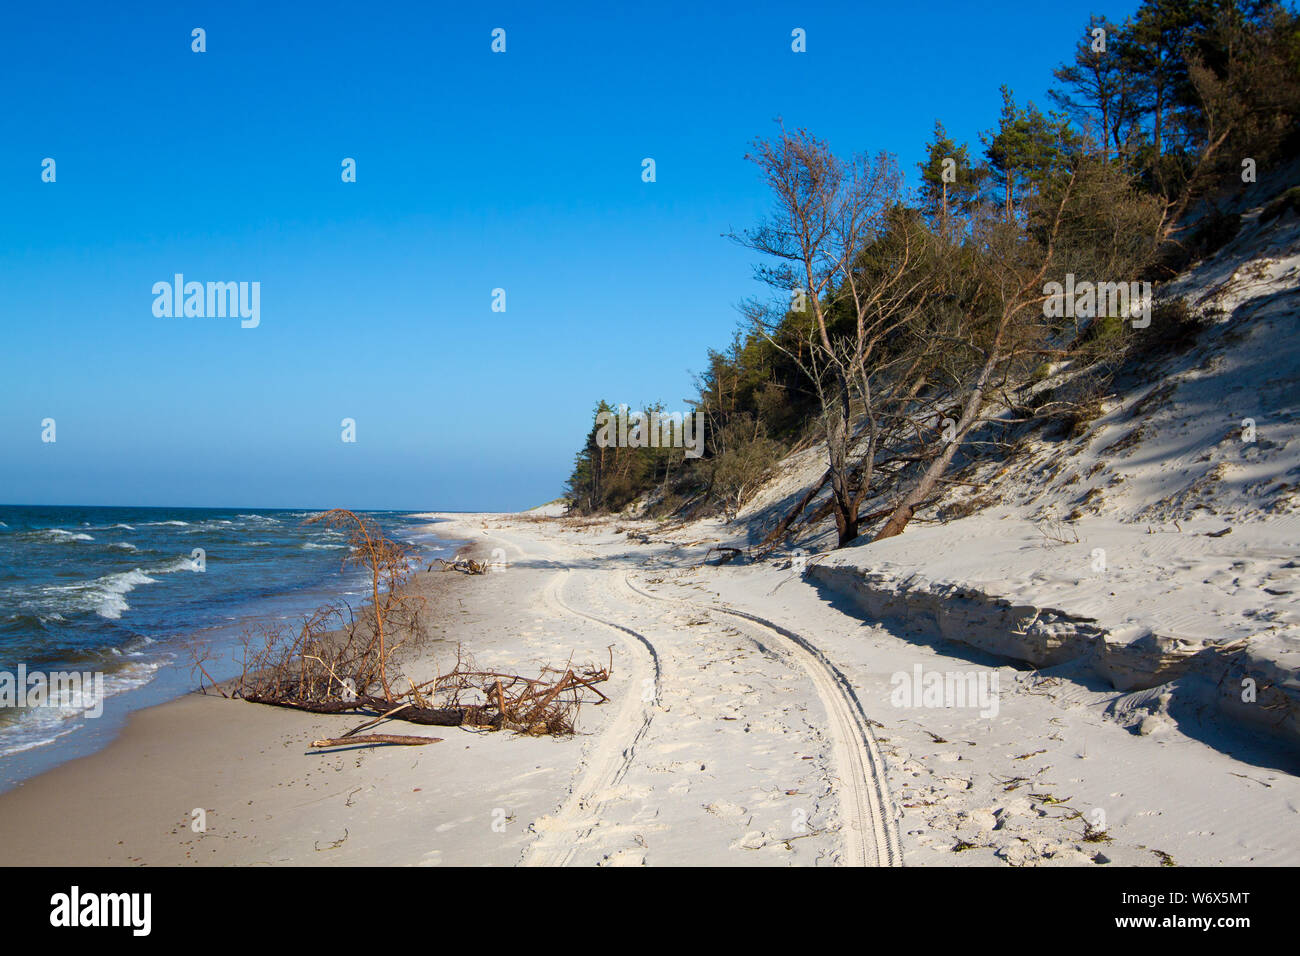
pixel 212 524
pixel 30 620
pixel 178 564
pixel 105 596
pixel 55 535
pixel 63 590
pixel 263 519
pixel 38 726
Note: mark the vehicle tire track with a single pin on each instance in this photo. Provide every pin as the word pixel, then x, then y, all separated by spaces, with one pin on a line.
pixel 613 753
pixel 870 833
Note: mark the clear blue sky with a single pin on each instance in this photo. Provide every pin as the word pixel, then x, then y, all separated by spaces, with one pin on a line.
pixel 475 171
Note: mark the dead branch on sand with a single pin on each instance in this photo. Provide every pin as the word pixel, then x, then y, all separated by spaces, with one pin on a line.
pixel 725 554
pixel 375 739
pixel 547 704
pixel 463 565
pixel 337 662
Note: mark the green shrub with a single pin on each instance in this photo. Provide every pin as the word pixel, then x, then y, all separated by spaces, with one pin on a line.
pixel 747 459
pixel 1214 231
pixel 1173 329
pixel 1289 200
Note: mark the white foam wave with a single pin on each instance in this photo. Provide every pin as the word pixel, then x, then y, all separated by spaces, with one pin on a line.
pixel 177 564
pixel 39 726
pixel 263 519
pixel 214 524
pixel 106 596
pixel 58 534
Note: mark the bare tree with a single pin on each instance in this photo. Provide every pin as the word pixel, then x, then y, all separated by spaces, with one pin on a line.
pixel 828 215
pixel 1012 280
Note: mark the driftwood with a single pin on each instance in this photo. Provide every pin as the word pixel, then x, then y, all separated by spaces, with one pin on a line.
pixel 774 536
pixel 463 565
pixel 725 554
pixel 540 705
pixel 375 739
pixel 337 663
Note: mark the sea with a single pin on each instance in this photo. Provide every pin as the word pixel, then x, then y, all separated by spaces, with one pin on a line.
pixel 127 593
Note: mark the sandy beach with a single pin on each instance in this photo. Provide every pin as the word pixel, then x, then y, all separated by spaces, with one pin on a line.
pixel 752 721
pixel 587 437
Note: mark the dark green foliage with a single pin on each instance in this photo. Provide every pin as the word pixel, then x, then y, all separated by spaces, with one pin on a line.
pixel 745 456
pixel 1099 91
pixel 1154 126
pixel 1288 201
pixel 1026 151
pixel 948 189
pixel 1174 329
pixel 611 478
pixel 1215 230
pixel 1103 335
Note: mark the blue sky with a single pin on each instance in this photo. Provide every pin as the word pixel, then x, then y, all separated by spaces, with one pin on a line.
pixel 475 171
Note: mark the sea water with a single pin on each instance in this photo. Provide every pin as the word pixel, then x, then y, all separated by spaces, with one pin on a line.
pixel 124 593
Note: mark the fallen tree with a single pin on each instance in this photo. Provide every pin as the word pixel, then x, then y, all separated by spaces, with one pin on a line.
pixel 463 565
pixel 339 663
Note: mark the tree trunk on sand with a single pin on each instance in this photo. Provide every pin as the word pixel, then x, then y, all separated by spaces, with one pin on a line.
pixel 839 438
pixel 904 510
pixel 846 519
pixel 783 525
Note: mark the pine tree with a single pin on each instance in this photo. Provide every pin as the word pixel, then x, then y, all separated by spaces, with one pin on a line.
pixel 1095 83
pixel 949 184
pixel 1161 31
pixel 1027 149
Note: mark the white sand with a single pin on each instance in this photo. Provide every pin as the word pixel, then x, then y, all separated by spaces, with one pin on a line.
pixel 726 742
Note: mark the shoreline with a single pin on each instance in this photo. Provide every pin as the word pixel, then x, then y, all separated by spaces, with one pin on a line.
pixel 172 679
pixel 249 769
pixel 725 742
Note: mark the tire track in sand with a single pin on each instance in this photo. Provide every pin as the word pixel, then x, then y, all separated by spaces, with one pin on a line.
pixel 613 752
pixel 870 833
